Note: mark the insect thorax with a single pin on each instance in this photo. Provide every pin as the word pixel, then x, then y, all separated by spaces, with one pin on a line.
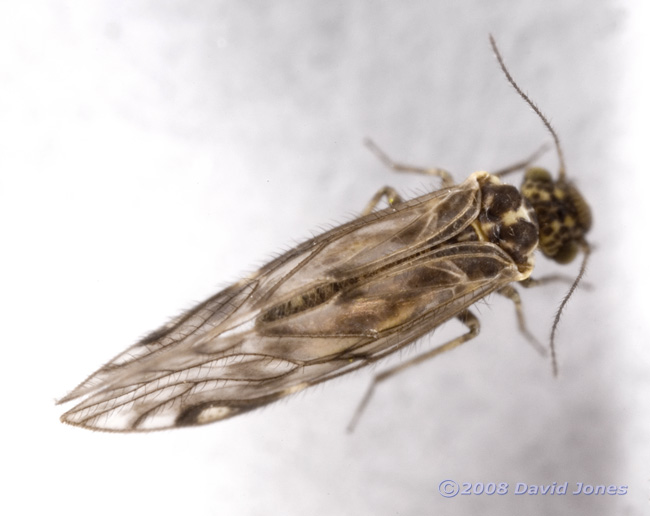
pixel 562 213
pixel 507 219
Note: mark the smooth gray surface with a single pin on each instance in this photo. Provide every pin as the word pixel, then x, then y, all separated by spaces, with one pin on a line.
pixel 151 152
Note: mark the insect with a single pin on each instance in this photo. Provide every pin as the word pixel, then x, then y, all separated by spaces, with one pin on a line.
pixel 344 299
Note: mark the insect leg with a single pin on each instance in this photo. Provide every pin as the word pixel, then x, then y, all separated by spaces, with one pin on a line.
pixel 545 280
pixel 553 278
pixel 466 317
pixel 520 165
pixel 511 293
pixel 447 180
pixel 392 197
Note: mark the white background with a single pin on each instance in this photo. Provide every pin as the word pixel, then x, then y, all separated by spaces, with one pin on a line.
pixel 151 152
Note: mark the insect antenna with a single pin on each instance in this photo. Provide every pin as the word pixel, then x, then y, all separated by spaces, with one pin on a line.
pixel 574 201
pixel 586 250
pixel 556 140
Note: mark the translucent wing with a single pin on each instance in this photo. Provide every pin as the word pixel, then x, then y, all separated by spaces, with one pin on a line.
pixel 330 306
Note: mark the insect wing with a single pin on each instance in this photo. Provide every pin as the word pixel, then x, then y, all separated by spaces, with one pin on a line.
pixel 333 304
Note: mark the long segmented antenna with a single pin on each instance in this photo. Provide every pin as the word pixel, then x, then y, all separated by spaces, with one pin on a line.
pixel 556 140
pixel 586 250
pixel 576 200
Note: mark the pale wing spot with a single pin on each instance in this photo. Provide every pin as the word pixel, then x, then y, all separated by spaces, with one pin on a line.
pixel 295 388
pixel 156 422
pixel 117 421
pixel 210 414
pixel 239 329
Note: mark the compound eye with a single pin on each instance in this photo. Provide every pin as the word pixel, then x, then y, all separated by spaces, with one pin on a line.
pixel 567 252
pixel 538 174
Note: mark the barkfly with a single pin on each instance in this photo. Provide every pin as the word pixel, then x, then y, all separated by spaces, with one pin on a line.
pixel 344 299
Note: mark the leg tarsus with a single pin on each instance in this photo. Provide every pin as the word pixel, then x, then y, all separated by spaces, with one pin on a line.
pixel 466 317
pixel 552 278
pixel 511 293
pixel 391 195
pixel 445 176
pixel 520 165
